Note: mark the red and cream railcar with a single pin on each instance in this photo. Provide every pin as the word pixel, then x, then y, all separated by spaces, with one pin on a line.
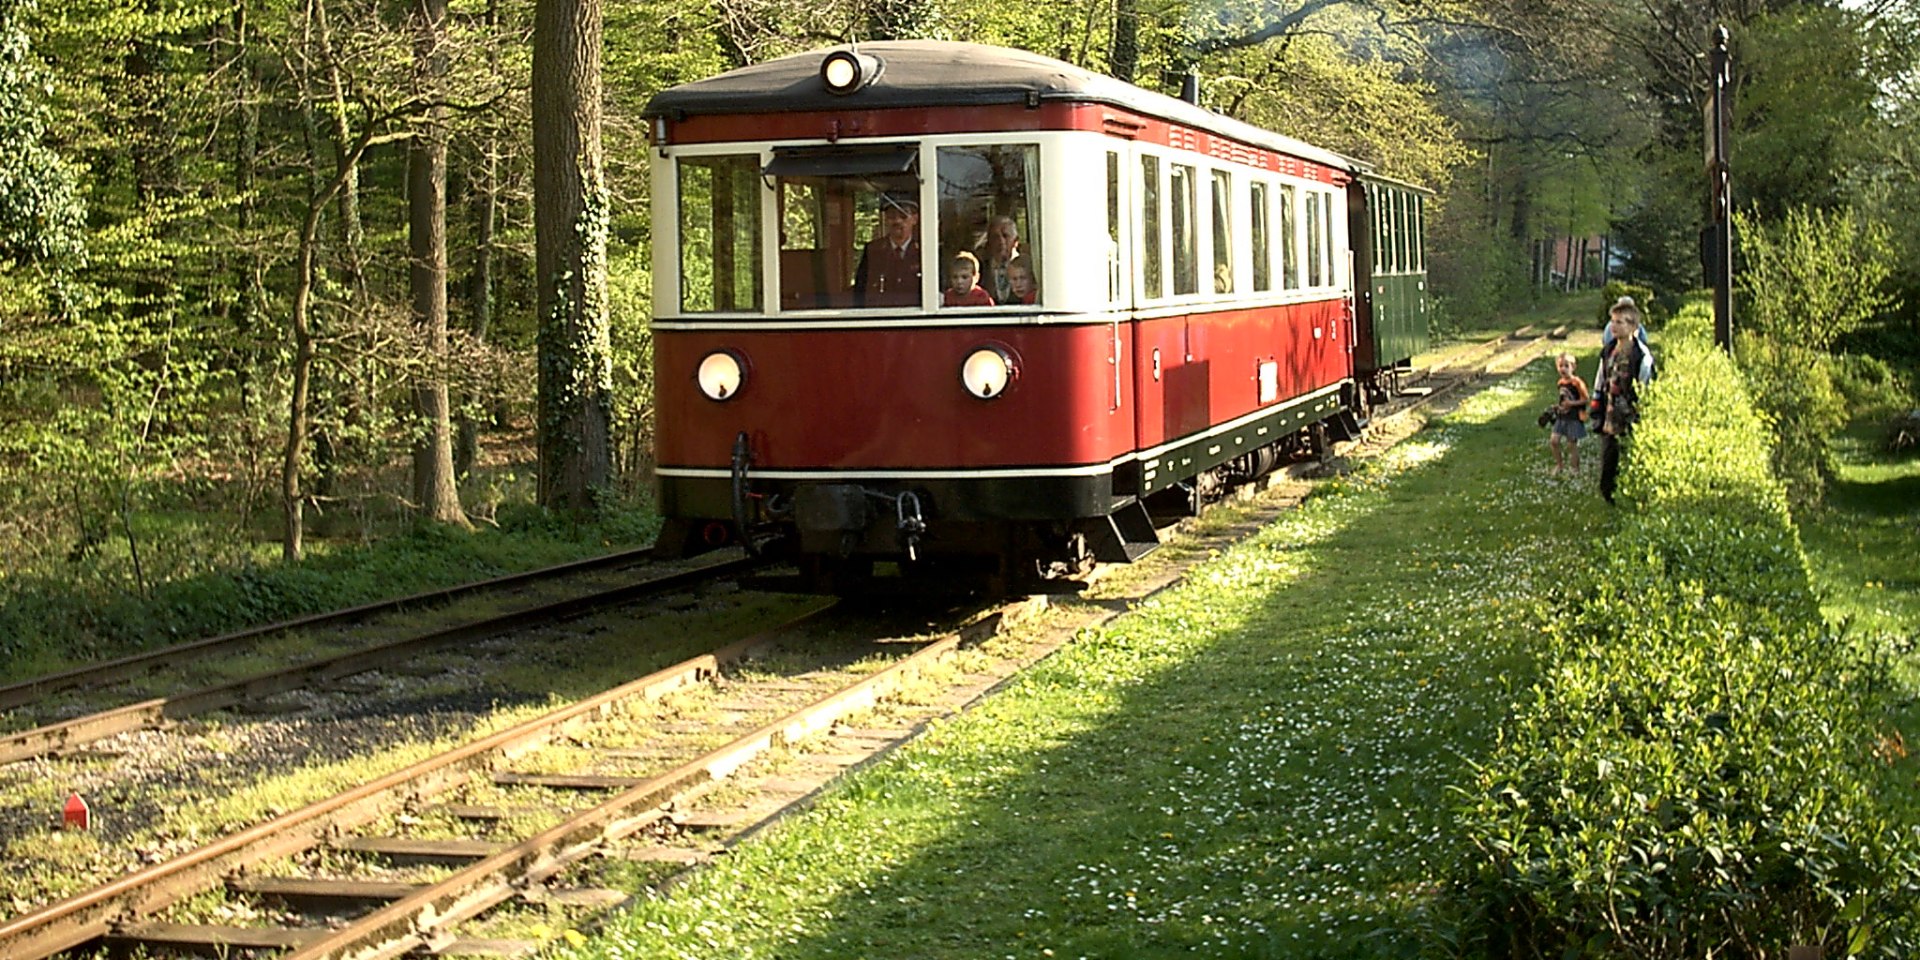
pixel 1170 291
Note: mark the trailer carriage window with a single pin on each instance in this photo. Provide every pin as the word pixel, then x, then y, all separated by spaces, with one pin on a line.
pixel 1403 236
pixel 1405 223
pixel 1222 232
pixel 1419 233
pixel 1261 226
pixel 989 207
pixel 1289 243
pixel 1151 273
pixel 1183 196
pixel 720 234
pixel 1315 254
pixel 1383 231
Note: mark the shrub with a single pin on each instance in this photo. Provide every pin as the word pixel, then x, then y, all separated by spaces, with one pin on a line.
pixel 1814 276
pixel 1802 410
pixel 1869 386
pixel 1694 773
pixel 1651 311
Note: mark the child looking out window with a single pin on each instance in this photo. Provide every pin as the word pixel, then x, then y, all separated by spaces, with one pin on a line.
pixel 963 283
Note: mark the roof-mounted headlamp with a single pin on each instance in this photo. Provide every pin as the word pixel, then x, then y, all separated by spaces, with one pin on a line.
pixel 844 71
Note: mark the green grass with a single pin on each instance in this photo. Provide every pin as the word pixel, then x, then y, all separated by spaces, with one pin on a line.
pixel 1253 764
pixel 1863 547
pixel 51 622
pixel 1553 309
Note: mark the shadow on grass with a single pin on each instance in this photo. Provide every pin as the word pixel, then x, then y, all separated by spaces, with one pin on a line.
pixel 1257 764
pixel 1881 497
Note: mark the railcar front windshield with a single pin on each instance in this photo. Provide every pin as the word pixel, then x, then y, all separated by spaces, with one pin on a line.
pixel 851 232
pixel 989 221
pixel 850 227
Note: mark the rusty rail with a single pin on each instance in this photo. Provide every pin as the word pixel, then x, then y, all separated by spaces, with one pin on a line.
pixel 91 915
pixel 69 734
pixel 106 671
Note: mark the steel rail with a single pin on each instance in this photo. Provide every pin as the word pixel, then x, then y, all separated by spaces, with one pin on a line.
pixel 76 732
pixel 425 917
pixel 26 691
pixel 93 914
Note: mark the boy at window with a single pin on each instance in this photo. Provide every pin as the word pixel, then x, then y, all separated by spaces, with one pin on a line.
pixel 889 271
pixel 963 278
pixel 1020 282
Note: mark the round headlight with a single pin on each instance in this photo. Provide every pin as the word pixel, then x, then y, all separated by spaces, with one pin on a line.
pixel 844 71
pixel 721 375
pixel 987 371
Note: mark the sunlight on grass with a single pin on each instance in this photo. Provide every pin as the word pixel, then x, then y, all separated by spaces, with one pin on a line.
pixel 1253 763
pixel 1863 549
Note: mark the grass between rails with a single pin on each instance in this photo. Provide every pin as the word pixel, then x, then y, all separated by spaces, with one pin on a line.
pixel 1253 764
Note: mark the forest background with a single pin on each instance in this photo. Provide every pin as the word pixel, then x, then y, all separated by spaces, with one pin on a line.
pixel 273 283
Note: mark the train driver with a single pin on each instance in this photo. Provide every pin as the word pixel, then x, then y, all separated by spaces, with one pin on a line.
pixel 889 270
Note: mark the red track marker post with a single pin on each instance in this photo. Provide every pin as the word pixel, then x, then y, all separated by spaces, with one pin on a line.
pixel 76 815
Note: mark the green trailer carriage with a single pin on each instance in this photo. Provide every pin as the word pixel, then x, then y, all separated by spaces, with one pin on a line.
pixel 1388 228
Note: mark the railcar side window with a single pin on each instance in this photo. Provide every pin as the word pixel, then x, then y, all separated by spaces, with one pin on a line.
pixel 1261 225
pixel 1289 242
pixel 1332 268
pixel 1186 254
pixel 1315 255
pixel 989 208
pixel 1114 291
pixel 1150 238
pixel 1222 232
pixel 720 234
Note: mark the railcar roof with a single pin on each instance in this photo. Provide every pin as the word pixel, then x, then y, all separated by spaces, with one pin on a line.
pixel 933 73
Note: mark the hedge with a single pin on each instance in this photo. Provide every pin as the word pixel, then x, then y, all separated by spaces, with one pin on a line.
pixel 1693 774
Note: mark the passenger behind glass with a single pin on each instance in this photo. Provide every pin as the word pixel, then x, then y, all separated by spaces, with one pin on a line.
pixel 889 270
pixel 1000 249
pixel 963 283
pixel 1020 282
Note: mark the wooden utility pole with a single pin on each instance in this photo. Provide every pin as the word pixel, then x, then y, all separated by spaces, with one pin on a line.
pixel 1717 248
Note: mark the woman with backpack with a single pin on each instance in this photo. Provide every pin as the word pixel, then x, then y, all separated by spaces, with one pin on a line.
pixel 1625 363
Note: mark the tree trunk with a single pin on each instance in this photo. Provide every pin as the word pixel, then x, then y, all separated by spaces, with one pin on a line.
pixel 293 500
pixel 1126 39
pixel 352 232
pixel 349 257
pixel 433 480
pixel 570 237
pixel 486 216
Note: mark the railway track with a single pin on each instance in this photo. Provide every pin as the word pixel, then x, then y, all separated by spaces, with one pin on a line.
pixel 109 671
pixel 523 816
pixel 651 772
pixel 77 732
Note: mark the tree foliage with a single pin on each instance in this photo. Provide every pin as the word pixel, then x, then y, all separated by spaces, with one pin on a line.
pixel 1809 279
pixel 40 211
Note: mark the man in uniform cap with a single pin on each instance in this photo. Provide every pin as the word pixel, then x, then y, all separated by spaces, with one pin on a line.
pixel 889 271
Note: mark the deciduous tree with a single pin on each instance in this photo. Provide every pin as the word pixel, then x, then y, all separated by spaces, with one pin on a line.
pixel 433 479
pixel 571 222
